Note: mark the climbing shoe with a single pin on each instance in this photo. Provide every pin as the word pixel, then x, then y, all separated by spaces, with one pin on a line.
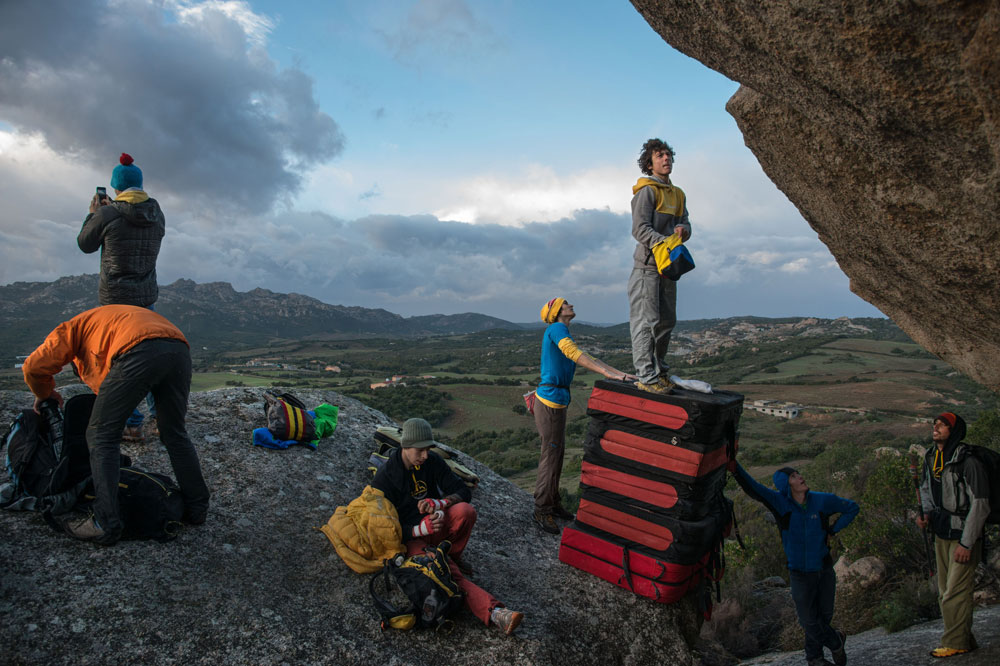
pixel 840 654
pixel 655 387
pixel 942 652
pixel 85 528
pixel 547 522
pixel 505 619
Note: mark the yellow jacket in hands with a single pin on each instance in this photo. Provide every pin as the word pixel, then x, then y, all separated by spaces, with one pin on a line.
pixel 366 531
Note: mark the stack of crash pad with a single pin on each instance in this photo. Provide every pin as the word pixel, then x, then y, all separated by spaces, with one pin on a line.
pixel 652 515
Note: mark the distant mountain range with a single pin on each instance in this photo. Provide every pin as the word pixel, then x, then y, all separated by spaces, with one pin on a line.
pixel 215 316
pixel 215 313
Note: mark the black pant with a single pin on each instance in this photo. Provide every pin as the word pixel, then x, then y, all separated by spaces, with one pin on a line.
pixel 813 593
pixel 162 367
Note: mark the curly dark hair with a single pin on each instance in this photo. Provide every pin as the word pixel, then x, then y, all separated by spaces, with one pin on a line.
pixel 646 156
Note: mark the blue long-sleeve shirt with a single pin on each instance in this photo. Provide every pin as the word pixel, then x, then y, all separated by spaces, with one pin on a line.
pixel 804 527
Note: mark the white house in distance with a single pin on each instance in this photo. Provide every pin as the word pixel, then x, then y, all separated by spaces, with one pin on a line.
pixel 784 410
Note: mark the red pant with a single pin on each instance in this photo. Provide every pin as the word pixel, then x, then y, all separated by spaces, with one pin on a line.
pixel 458 522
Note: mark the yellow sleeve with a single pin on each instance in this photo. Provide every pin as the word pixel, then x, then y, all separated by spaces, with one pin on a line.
pixel 569 349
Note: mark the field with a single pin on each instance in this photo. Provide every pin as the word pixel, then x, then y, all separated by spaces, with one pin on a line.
pixel 879 389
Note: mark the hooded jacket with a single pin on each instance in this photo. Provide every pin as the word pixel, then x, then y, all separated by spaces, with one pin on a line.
pixel 657 207
pixel 804 528
pixel 128 232
pixel 959 502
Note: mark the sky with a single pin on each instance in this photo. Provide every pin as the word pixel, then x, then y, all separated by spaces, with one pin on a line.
pixel 422 156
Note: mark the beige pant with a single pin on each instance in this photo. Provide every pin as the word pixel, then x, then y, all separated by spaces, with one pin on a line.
pixel 955 583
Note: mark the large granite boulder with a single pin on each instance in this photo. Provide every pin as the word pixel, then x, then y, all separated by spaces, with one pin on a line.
pixel 881 122
pixel 258 583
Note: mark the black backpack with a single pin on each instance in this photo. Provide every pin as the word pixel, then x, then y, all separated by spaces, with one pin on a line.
pixel 47 460
pixel 425 580
pixel 990 460
pixel 151 505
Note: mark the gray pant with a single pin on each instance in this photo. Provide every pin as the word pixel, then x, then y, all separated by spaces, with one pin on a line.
pixel 162 367
pixel 652 313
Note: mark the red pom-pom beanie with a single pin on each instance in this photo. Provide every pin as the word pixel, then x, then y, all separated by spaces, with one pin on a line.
pixel 126 174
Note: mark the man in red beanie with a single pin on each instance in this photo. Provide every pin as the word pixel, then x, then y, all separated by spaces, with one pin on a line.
pixel 955 494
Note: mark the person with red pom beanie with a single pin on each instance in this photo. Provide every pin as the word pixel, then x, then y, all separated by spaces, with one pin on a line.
pixel 128 231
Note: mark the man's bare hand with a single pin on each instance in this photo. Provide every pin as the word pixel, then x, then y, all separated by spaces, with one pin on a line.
pixel 683 232
pixel 962 554
pixel 922 522
pixel 38 401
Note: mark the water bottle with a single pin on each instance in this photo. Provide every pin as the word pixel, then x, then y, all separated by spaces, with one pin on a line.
pixel 54 418
pixel 430 609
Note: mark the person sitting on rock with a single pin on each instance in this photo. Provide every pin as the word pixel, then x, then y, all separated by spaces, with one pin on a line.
pixel 122 352
pixel 803 517
pixel 433 506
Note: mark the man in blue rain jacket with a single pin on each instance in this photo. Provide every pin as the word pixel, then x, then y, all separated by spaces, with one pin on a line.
pixel 804 518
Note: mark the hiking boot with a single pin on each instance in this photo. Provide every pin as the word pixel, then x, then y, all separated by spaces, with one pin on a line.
pixel 819 661
pixel 942 652
pixel 655 387
pixel 505 619
pixel 133 434
pixel 85 528
pixel 563 514
pixel 547 522
pixel 840 654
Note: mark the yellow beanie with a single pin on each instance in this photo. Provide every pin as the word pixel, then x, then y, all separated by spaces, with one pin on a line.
pixel 550 311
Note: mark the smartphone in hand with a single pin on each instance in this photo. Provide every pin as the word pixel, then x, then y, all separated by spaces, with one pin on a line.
pixel 102 194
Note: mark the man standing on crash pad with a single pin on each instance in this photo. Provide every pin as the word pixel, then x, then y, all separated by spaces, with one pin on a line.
pixel 659 210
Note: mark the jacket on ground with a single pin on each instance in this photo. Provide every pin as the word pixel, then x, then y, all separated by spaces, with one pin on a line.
pixel 804 529
pixel 128 232
pixel 366 531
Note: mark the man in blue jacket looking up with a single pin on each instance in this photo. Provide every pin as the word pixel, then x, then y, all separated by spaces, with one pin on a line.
pixel 803 516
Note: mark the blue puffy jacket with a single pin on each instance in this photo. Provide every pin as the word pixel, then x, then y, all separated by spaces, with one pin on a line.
pixel 804 530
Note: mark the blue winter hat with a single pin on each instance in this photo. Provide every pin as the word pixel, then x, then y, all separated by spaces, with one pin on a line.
pixel 126 174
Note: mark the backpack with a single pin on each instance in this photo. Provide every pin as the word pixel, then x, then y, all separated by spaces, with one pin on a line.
pixel 151 505
pixel 47 459
pixel 287 418
pixel 425 580
pixel 389 438
pixel 990 460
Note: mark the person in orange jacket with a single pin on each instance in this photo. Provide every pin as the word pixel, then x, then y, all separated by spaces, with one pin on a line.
pixel 123 352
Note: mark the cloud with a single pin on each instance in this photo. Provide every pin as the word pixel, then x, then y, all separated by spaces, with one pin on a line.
pixel 795 266
pixel 185 87
pixel 438 28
